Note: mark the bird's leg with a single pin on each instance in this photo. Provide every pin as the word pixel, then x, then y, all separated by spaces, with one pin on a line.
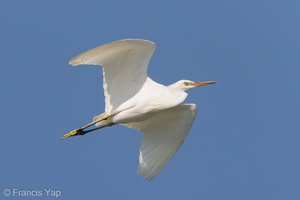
pixel 80 131
pixel 83 132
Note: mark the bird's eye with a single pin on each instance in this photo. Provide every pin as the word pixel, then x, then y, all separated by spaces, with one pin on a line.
pixel 186 83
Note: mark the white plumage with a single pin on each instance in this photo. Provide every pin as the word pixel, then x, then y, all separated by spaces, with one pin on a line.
pixel 136 101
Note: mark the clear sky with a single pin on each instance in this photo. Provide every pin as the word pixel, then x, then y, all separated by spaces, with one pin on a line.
pixel 245 141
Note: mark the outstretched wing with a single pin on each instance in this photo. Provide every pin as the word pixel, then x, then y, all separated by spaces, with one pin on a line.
pixel 164 132
pixel 125 65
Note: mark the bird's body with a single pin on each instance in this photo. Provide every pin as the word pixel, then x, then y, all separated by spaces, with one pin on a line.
pixel 133 99
pixel 145 102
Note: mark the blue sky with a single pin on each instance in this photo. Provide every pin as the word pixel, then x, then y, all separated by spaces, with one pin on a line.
pixel 244 143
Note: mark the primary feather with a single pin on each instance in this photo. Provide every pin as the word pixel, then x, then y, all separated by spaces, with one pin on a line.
pixel 125 65
pixel 164 132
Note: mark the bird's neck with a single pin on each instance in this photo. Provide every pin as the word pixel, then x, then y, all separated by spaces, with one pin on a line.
pixel 177 97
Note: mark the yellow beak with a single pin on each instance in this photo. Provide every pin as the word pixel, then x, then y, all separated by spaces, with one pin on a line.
pixel 200 83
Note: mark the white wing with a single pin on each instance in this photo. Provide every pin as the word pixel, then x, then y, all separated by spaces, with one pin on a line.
pixel 125 65
pixel 164 132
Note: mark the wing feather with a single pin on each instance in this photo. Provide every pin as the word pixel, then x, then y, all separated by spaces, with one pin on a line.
pixel 164 132
pixel 125 65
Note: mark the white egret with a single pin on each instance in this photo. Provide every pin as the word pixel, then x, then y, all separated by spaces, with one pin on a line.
pixel 136 101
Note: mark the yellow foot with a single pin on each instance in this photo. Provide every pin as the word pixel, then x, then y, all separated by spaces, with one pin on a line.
pixel 72 133
pixel 81 131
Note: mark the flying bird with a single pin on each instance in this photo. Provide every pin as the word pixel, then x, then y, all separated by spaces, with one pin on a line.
pixel 134 100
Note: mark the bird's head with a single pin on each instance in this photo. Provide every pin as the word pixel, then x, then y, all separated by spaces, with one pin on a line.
pixel 186 85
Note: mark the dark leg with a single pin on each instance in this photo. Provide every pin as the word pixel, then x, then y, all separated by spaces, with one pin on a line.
pixel 80 131
pixel 83 132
